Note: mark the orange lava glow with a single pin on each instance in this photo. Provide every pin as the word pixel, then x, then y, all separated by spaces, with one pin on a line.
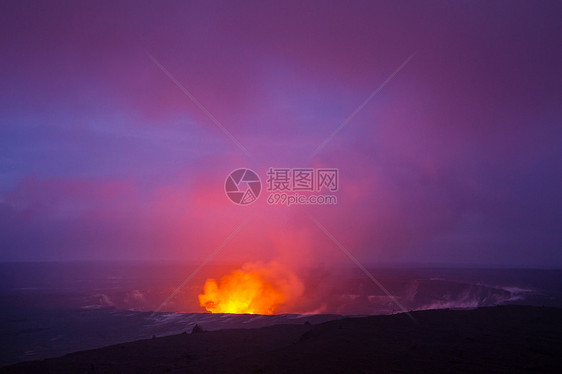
pixel 254 289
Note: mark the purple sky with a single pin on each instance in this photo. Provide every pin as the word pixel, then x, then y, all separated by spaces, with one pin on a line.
pixel 457 160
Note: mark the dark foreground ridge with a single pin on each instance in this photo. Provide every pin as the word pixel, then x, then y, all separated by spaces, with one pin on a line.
pixel 494 339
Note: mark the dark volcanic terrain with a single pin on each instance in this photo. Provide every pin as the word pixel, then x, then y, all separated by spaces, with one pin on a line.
pixel 493 339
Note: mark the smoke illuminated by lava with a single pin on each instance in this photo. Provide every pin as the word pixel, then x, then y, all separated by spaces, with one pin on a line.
pixel 254 289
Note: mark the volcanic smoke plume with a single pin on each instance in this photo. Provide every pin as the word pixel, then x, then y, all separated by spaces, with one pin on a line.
pixel 254 289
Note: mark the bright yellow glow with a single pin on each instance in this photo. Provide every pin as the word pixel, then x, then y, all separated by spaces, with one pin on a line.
pixel 241 292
